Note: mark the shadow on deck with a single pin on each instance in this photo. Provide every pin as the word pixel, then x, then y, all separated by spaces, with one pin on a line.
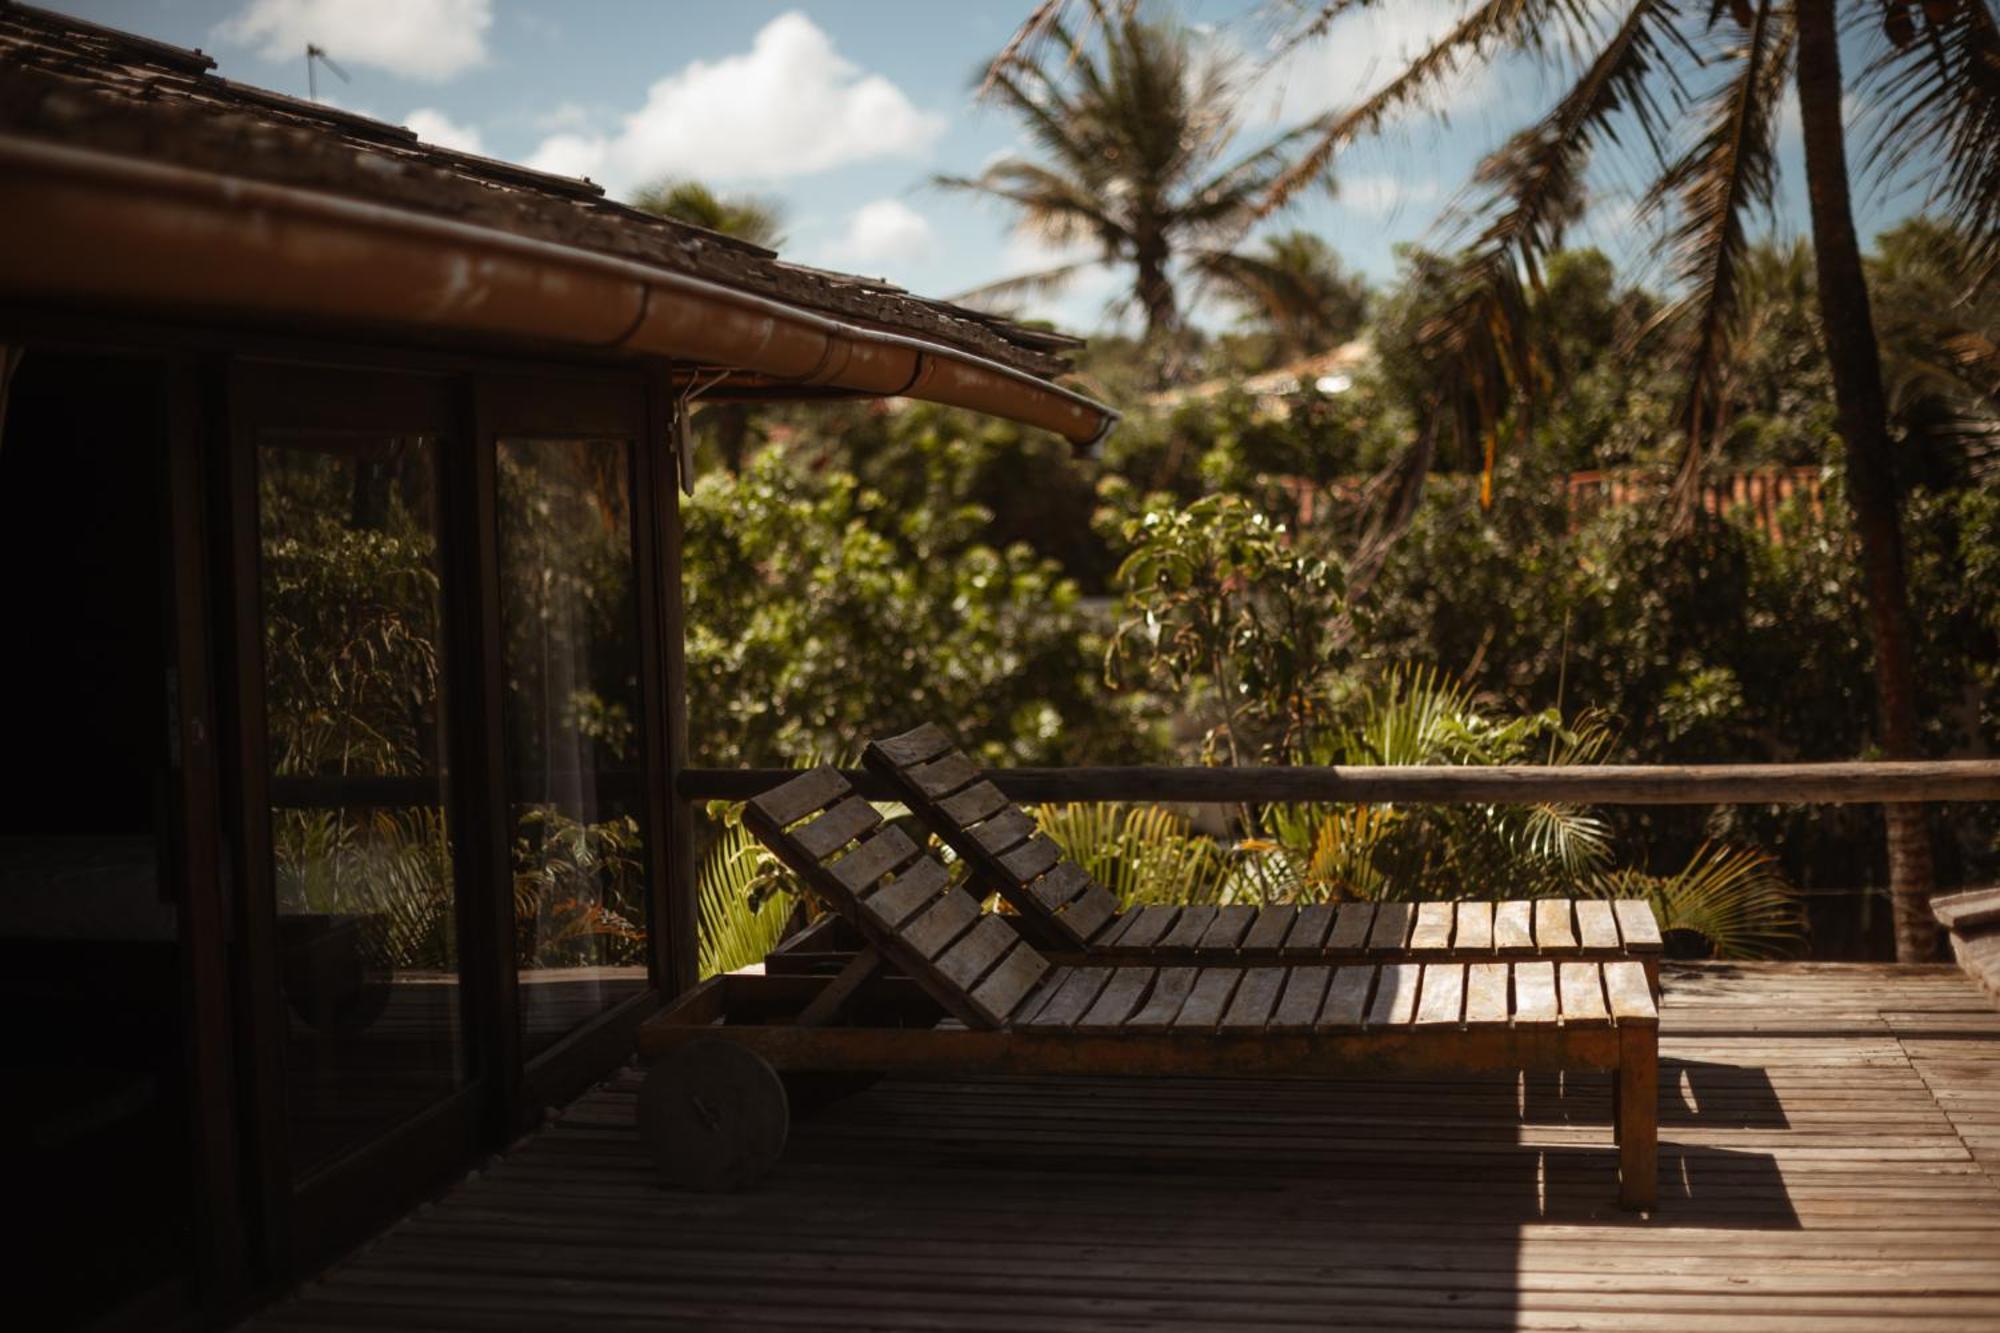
pixel 1830 1158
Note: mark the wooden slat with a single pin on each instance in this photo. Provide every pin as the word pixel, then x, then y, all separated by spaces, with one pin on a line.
pixel 974 953
pixel 1209 998
pixel 1486 999
pixel 1227 930
pixel 1171 987
pixel 980 801
pixel 937 926
pixel 1107 935
pixel 1045 990
pixel 1350 928
pixel 1513 927
pixel 1552 925
pixel 1392 926
pixel 794 800
pixel 1060 887
pixel 1474 928
pixel 1596 927
pixel 1630 994
pixel 1087 915
pixel 1443 997
pixel 1121 997
pixel 1011 979
pixel 1267 932
pixel 1582 994
pixel 1638 928
pixel 1006 830
pixel 1256 996
pixel 1347 997
pixel 1432 931
pixel 1305 991
pixel 1535 992
pixel 941 777
pixel 1189 928
pixel 888 849
pixel 1151 924
pixel 841 824
pixel 898 900
pixel 1078 993
pixel 916 746
pixel 1031 859
pixel 1396 992
pixel 1308 934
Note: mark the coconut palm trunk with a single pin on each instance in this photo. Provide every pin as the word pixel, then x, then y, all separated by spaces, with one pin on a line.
pixel 1848 331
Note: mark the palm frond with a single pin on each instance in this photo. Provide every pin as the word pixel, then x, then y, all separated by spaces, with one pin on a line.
pixel 1732 897
pixel 1483 30
pixel 1142 853
pixel 739 924
pixel 1939 94
pixel 1723 177
pixel 995 295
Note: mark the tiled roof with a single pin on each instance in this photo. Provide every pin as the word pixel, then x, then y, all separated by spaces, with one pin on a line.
pixel 87 86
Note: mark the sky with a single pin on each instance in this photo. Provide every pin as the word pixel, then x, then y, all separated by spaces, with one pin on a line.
pixel 841 111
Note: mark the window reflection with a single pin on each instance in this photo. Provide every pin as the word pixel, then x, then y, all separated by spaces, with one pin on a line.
pixel 361 848
pixel 569 615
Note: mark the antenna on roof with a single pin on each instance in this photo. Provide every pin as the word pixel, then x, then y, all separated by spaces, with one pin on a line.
pixel 318 53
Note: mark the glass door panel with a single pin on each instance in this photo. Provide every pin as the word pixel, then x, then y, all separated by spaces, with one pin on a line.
pixel 571 705
pixel 353 649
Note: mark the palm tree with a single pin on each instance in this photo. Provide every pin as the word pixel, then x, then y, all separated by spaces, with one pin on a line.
pixel 1935 80
pixel 1294 289
pixel 1132 132
pixel 759 222
pixel 745 217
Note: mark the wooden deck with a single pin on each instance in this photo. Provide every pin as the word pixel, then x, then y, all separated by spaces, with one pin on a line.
pixel 1830 1159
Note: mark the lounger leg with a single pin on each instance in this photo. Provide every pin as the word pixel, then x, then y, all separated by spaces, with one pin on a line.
pixel 1637 1109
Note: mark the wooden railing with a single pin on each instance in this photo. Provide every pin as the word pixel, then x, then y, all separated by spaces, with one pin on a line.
pixel 1521 784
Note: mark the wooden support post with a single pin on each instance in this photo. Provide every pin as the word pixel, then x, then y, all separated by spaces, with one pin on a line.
pixel 826 1006
pixel 1636 1106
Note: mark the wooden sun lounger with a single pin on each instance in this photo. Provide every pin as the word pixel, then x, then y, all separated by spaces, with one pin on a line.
pixel 1070 915
pixel 974 996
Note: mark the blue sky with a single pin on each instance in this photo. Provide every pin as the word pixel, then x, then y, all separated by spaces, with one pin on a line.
pixel 841 110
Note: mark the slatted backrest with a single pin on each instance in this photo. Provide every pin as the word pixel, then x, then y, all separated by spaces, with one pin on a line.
pixel 898 896
pixel 1061 903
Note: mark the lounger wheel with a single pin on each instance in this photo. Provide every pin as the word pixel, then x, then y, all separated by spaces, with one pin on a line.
pixel 713 1115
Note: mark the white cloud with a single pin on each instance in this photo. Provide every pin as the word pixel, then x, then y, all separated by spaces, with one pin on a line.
pixel 433 126
pixel 789 106
pixel 1383 196
pixel 419 39
pixel 569 116
pixel 886 233
pixel 1358 54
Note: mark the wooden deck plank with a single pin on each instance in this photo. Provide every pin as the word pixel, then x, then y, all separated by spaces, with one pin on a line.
pixel 1486 993
pixel 1638 928
pixel 1012 980
pixel 1582 993
pixel 1824 1160
pixel 1347 997
pixel 1078 993
pixel 1535 993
